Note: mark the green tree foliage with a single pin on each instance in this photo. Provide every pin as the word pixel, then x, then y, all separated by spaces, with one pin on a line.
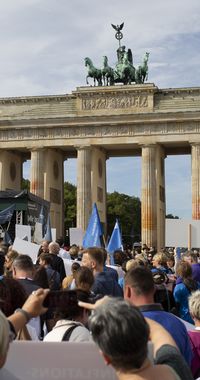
pixel 127 210
pixel 25 184
pixel 119 206
pixel 171 216
pixel 69 205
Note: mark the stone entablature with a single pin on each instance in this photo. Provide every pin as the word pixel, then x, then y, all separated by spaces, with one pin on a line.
pixel 116 99
pixel 95 101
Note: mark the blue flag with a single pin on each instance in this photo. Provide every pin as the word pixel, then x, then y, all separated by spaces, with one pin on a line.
pixel 115 242
pixel 94 232
pixel 48 234
pixel 6 215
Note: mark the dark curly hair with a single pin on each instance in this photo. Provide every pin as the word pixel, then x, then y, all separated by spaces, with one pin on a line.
pixel 12 295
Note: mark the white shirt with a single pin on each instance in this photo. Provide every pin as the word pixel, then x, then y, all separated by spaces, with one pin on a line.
pixel 79 334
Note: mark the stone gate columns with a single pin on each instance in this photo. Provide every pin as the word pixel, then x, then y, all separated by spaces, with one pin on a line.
pixel 47 181
pixel 195 181
pixel 98 183
pixel 84 195
pixel 149 194
pixel 37 172
pixel 161 205
pixel 10 170
pixel 54 188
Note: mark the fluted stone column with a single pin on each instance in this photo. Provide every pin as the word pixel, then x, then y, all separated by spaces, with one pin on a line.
pixel 37 172
pixel 83 186
pixel 10 170
pixel 160 186
pixel 149 209
pixel 195 181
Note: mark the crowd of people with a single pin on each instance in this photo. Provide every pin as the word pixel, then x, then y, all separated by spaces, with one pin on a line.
pixel 146 296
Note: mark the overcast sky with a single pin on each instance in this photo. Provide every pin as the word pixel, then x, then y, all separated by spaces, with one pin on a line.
pixel 43 44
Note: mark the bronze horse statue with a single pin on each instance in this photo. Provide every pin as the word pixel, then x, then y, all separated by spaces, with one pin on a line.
pixel 93 72
pixel 107 73
pixel 142 71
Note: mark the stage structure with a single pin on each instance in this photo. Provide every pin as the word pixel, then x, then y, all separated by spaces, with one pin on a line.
pixel 27 207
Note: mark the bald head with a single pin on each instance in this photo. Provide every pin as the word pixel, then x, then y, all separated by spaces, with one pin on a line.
pixel 54 248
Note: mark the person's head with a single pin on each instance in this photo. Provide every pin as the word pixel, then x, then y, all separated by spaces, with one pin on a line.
pixel 45 246
pixel 75 266
pixel 12 295
pixel 139 286
pixel 40 276
pixel 54 248
pixel 170 262
pixel 150 257
pixel 190 257
pixel 74 252
pixel 93 258
pixel 133 263
pixel 4 338
pixel 119 257
pixel 194 305
pixel 122 334
pixel 23 266
pixel 45 259
pixel 9 258
pixel 76 313
pixel 84 279
pixel 184 270
pixel 159 259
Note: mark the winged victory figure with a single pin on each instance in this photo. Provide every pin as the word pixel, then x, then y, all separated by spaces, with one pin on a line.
pixel 118 28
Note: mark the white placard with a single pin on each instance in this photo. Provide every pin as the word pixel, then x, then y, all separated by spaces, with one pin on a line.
pixel 53 233
pixel 177 233
pixel 42 364
pixel 68 264
pixel 26 248
pixel 37 361
pixel 22 230
pixel 195 234
pixel 38 233
pixel 76 236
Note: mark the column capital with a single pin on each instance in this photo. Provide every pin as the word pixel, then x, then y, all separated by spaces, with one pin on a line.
pixel 37 149
pixel 194 143
pixel 148 145
pixel 83 147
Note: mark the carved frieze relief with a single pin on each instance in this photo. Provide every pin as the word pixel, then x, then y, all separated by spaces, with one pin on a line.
pixel 114 102
pixel 32 134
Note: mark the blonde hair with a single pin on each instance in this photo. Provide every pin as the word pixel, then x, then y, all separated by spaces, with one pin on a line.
pixel 132 263
pixel 194 304
pixel 4 335
pixel 161 258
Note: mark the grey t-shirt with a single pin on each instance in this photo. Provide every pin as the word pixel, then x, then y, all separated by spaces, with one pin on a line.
pixel 170 356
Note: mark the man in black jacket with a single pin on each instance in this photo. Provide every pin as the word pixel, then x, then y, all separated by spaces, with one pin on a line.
pixel 56 261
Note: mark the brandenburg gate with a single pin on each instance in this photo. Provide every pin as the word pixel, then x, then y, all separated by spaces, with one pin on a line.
pixel 93 124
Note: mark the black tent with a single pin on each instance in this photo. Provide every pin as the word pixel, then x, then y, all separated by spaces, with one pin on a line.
pixel 27 208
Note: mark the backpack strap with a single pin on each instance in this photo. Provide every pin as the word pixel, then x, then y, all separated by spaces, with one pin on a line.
pixel 68 332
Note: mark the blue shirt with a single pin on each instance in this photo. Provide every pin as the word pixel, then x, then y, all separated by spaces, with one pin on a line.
pixel 105 285
pixel 173 325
